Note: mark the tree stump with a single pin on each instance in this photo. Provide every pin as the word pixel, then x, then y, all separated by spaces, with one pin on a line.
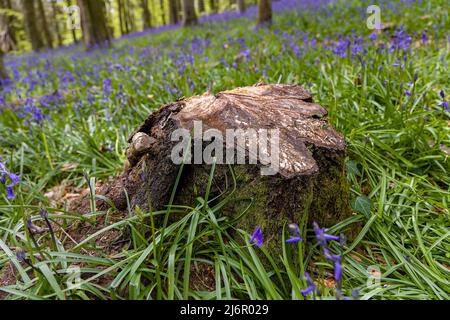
pixel 310 179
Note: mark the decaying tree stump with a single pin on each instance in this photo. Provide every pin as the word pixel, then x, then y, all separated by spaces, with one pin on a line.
pixel 310 178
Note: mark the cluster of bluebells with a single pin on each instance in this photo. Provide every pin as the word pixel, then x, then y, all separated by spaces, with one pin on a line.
pixel 322 238
pixel 9 179
pixel 97 78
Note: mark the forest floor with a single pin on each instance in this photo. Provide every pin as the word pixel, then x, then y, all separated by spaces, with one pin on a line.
pixel 66 115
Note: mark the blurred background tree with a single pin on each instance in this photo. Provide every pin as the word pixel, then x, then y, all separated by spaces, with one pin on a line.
pixel 42 24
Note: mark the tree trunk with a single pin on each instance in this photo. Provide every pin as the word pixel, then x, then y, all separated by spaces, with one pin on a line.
pixel 146 16
pixel 3 73
pixel 173 12
pixel 93 23
pixel 56 24
pixel 129 10
pixel 189 15
pixel 306 176
pixel 241 6
pixel 163 12
pixel 44 24
pixel 5 44
pixel 35 37
pixel 201 6
pixel 9 20
pixel 123 17
pixel 264 12
pixel 213 6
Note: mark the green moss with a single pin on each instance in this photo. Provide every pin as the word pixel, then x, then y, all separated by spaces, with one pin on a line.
pixel 272 201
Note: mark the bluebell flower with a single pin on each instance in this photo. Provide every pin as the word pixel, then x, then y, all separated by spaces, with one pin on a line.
pixel 10 193
pixel 424 37
pixel 256 238
pixel 337 268
pixel 14 179
pixel 323 237
pixel 311 285
pixel 295 230
pixel 445 105
pixel 444 102
pixel 20 255
pixel 43 213
pixel 107 87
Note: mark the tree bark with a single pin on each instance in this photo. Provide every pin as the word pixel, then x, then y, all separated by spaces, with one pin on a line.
pixel 213 6
pixel 9 20
pixel 5 45
pixel 93 23
pixel 241 6
pixel 146 16
pixel 56 24
pixel 35 37
pixel 163 12
pixel 3 73
pixel 264 12
pixel 129 14
pixel 310 180
pixel 189 15
pixel 201 5
pixel 173 12
pixel 120 10
pixel 44 24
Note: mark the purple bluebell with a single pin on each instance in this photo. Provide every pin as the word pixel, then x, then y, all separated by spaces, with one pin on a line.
pixel 311 286
pixel 424 37
pixel 20 255
pixel 257 238
pixel 444 102
pixel 13 178
pixel 43 213
pixel 445 105
pixel 295 230
pixel 337 268
pixel 322 237
pixel 10 193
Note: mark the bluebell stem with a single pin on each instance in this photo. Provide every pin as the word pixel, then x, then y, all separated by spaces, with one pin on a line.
pixel 44 214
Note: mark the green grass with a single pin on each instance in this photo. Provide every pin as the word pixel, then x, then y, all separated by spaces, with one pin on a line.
pixel 397 166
